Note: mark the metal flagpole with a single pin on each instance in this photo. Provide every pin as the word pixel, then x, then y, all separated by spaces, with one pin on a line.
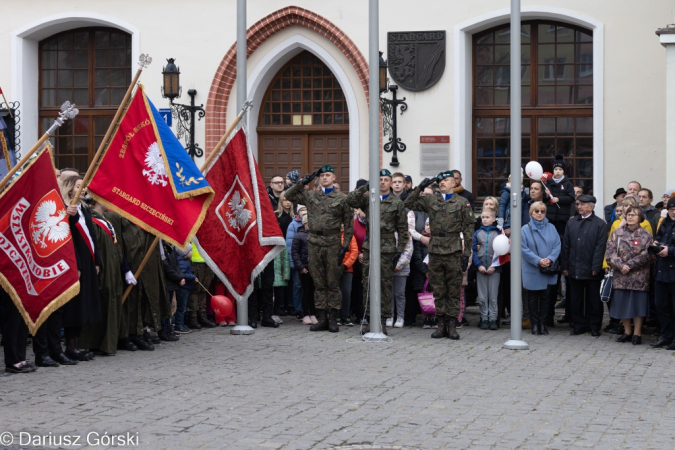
pixel 375 333
pixel 516 342
pixel 242 326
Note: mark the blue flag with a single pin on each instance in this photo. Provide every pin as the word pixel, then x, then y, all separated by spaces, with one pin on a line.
pixel 6 147
pixel 186 179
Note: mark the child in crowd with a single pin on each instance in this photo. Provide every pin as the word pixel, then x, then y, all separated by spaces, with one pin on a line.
pixel 487 276
pixel 300 255
pixel 182 295
pixel 419 270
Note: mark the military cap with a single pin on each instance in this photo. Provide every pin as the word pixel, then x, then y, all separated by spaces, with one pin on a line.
pixel 326 168
pixel 446 174
pixel 586 198
pixel 385 173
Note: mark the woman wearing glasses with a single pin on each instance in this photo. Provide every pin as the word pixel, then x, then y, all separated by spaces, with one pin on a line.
pixel 540 249
pixel 627 254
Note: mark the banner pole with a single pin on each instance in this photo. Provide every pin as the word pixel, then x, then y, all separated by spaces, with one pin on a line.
pixel 143 62
pixel 68 111
pixel 247 105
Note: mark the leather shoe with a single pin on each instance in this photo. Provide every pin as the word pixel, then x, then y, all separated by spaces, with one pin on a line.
pixel 637 339
pixel 77 355
pixel 624 338
pixel 577 331
pixel 595 333
pixel 269 323
pixel 22 368
pixel 62 359
pixel 252 323
pixel 126 344
pixel 45 361
pixel 671 346
pixel 142 344
pixel 660 343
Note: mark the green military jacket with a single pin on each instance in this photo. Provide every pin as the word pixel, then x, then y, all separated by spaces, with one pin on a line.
pixel 325 214
pixel 392 219
pixel 447 219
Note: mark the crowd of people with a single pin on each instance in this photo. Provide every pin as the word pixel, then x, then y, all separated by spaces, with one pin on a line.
pixel 431 241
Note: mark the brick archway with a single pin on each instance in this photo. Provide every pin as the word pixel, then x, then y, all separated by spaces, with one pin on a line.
pixel 223 81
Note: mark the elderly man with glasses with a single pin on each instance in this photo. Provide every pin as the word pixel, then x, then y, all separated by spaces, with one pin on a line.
pixel 583 250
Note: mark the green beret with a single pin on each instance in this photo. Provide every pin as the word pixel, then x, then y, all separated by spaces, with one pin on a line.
pixel 326 168
pixel 446 174
pixel 385 173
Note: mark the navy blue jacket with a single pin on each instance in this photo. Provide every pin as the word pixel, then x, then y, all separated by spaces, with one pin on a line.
pixel 665 267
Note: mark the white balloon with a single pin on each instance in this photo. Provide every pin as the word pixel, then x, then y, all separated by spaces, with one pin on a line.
pixel 534 170
pixel 501 245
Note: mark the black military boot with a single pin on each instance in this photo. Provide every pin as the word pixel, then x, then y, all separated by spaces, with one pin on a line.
pixel 332 320
pixel 323 321
pixel 442 330
pixel 450 327
pixel 204 321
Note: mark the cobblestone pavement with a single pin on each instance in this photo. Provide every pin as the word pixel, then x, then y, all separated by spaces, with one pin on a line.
pixel 289 388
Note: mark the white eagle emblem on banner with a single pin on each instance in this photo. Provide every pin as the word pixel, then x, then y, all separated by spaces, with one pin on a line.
pixel 236 211
pixel 239 216
pixel 49 225
pixel 155 162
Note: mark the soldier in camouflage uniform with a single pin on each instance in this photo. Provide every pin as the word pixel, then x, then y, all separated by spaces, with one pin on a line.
pixel 449 215
pixel 326 211
pixel 392 219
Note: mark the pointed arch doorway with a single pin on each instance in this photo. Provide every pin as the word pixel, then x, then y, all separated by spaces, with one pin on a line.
pixel 303 121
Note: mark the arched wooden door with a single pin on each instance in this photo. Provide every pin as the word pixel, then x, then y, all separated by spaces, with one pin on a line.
pixel 303 122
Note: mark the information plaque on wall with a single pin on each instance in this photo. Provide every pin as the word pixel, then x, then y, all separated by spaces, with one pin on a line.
pixel 434 155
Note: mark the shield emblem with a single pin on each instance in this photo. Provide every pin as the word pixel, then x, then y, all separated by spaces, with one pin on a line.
pixel 237 212
pixel 416 59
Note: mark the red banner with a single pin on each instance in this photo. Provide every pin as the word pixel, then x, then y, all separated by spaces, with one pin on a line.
pixel 240 234
pixel 146 176
pixel 38 268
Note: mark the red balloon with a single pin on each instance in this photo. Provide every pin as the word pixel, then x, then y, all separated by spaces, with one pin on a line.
pixel 221 305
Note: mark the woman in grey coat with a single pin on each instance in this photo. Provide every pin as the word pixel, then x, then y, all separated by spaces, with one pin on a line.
pixel 540 248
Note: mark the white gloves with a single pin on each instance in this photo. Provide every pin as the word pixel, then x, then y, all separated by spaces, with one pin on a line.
pixel 129 278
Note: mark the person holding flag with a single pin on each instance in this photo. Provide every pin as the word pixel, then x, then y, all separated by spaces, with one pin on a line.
pixel 449 216
pixel 326 211
pixel 393 219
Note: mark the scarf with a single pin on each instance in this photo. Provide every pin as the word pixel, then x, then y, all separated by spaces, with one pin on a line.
pixel 558 180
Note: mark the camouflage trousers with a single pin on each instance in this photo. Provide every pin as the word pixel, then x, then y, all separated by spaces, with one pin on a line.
pixel 326 273
pixel 386 282
pixel 197 301
pixel 445 274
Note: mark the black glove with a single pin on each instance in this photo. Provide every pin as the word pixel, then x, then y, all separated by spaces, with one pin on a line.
pixel 308 178
pixel 341 255
pixel 465 263
pixel 395 259
pixel 426 183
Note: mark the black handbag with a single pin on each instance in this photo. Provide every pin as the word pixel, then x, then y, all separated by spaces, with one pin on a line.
pixel 554 267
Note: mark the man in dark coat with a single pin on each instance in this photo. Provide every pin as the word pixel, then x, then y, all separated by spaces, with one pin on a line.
pixel 583 250
pixel 147 303
pixel 103 336
pixel 665 278
pixel 460 190
pixel 619 195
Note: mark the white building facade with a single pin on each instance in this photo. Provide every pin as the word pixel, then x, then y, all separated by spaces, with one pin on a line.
pixel 594 82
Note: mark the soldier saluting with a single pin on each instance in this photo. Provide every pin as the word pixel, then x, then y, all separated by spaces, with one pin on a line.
pixel 392 219
pixel 326 211
pixel 449 215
